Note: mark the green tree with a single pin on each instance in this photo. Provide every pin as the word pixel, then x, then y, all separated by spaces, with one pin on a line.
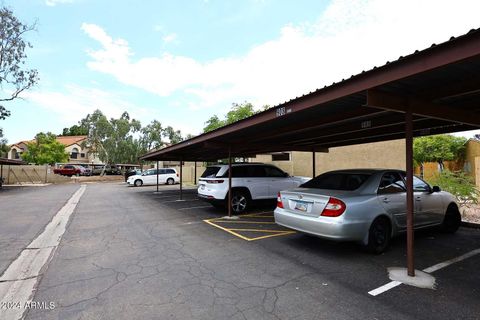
pixel 213 123
pixel 237 112
pixel 14 78
pixel 112 139
pixel 75 130
pixel 438 148
pixel 151 137
pixel 174 136
pixel 45 150
pixel 3 146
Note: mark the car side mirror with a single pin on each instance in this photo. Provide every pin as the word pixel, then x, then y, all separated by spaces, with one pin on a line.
pixel 436 189
pixel 286 175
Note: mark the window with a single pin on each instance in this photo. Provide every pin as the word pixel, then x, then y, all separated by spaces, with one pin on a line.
pixel 284 156
pixel 337 181
pixel 210 172
pixel 82 155
pixel 420 185
pixel 74 154
pixel 170 171
pixel 162 171
pixel 274 172
pixel 391 182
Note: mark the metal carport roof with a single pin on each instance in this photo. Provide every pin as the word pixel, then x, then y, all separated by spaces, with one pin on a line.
pixel 441 84
pixel 436 90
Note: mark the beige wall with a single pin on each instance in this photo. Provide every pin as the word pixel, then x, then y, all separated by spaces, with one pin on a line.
pixel 473 151
pixel 31 174
pixel 386 154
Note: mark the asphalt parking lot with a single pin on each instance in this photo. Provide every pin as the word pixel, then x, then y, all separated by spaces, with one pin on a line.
pixel 131 253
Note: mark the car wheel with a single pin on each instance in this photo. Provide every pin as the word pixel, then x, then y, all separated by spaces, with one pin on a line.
pixel 452 220
pixel 240 202
pixel 170 181
pixel 138 183
pixel 379 235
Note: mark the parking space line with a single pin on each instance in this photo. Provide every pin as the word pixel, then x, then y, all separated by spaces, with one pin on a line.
pixel 227 230
pixel 253 220
pixel 431 269
pixel 284 233
pixel 257 230
pixel 199 207
pixel 236 221
pixel 183 200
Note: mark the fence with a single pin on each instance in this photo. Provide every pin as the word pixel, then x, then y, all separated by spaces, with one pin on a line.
pixel 30 174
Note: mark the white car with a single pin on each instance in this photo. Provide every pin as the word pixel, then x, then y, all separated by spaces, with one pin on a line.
pixel 149 177
pixel 250 181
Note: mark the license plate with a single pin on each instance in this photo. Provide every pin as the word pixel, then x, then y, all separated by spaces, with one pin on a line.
pixel 301 206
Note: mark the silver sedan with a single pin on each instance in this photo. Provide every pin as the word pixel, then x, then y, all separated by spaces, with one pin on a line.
pixel 364 205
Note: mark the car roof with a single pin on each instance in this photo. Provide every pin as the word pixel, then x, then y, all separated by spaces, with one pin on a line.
pixel 364 170
pixel 236 164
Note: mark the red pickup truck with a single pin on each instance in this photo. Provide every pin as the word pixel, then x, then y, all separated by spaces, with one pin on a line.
pixel 70 170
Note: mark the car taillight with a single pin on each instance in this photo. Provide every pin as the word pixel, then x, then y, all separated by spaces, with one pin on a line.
pixel 334 208
pixel 279 201
pixel 214 181
pixel 178 175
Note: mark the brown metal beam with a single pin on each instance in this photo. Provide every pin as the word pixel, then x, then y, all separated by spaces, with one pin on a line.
pixel 409 185
pixel 388 101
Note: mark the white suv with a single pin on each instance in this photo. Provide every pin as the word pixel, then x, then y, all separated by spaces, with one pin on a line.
pixel 149 177
pixel 250 181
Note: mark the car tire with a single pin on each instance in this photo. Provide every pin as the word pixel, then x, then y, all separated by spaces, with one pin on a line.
pixel 452 220
pixel 240 202
pixel 379 235
pixel 138 183
pixel 170 181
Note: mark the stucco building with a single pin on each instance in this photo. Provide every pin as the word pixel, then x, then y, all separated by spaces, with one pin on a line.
pixel 77 153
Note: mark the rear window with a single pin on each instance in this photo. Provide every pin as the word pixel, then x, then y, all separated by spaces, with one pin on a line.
pixel 337 181
pixel 210 172
pixel 170 171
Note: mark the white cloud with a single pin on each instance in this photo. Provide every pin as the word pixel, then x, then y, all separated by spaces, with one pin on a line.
pixel 76 102
pixel 52 3
pixel 170 37
pixel 348 37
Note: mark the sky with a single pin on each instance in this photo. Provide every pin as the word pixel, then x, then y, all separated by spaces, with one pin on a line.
pixel 181 62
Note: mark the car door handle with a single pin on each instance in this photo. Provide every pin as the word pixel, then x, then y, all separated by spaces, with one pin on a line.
pixel 386 200
pixel 418 198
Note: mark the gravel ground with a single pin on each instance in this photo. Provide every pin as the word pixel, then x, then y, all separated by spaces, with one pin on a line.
pixel 471 213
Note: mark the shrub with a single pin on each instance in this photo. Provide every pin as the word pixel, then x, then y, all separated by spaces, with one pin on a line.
pixel 459 184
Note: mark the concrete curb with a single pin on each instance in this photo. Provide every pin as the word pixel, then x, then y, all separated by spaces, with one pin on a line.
pixel 470 225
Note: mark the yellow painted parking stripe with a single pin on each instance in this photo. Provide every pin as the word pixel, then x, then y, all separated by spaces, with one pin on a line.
pixel 257 230
pixel 240 221
pixel 227 230
pixel 273 235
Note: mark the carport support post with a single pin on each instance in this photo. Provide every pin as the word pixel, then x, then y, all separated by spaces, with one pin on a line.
pixel 409 167
pixel 313 164
pixel 229 204
pixel 181 179
pixel 157 176
pixel 195 173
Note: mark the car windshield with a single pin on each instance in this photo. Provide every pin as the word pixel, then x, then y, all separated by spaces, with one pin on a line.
pixel 210 172
pixel 337 181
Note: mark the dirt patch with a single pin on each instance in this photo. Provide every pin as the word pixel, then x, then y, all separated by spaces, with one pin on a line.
pixel 99 179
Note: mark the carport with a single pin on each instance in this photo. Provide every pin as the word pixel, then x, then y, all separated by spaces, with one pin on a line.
pixel 433 91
